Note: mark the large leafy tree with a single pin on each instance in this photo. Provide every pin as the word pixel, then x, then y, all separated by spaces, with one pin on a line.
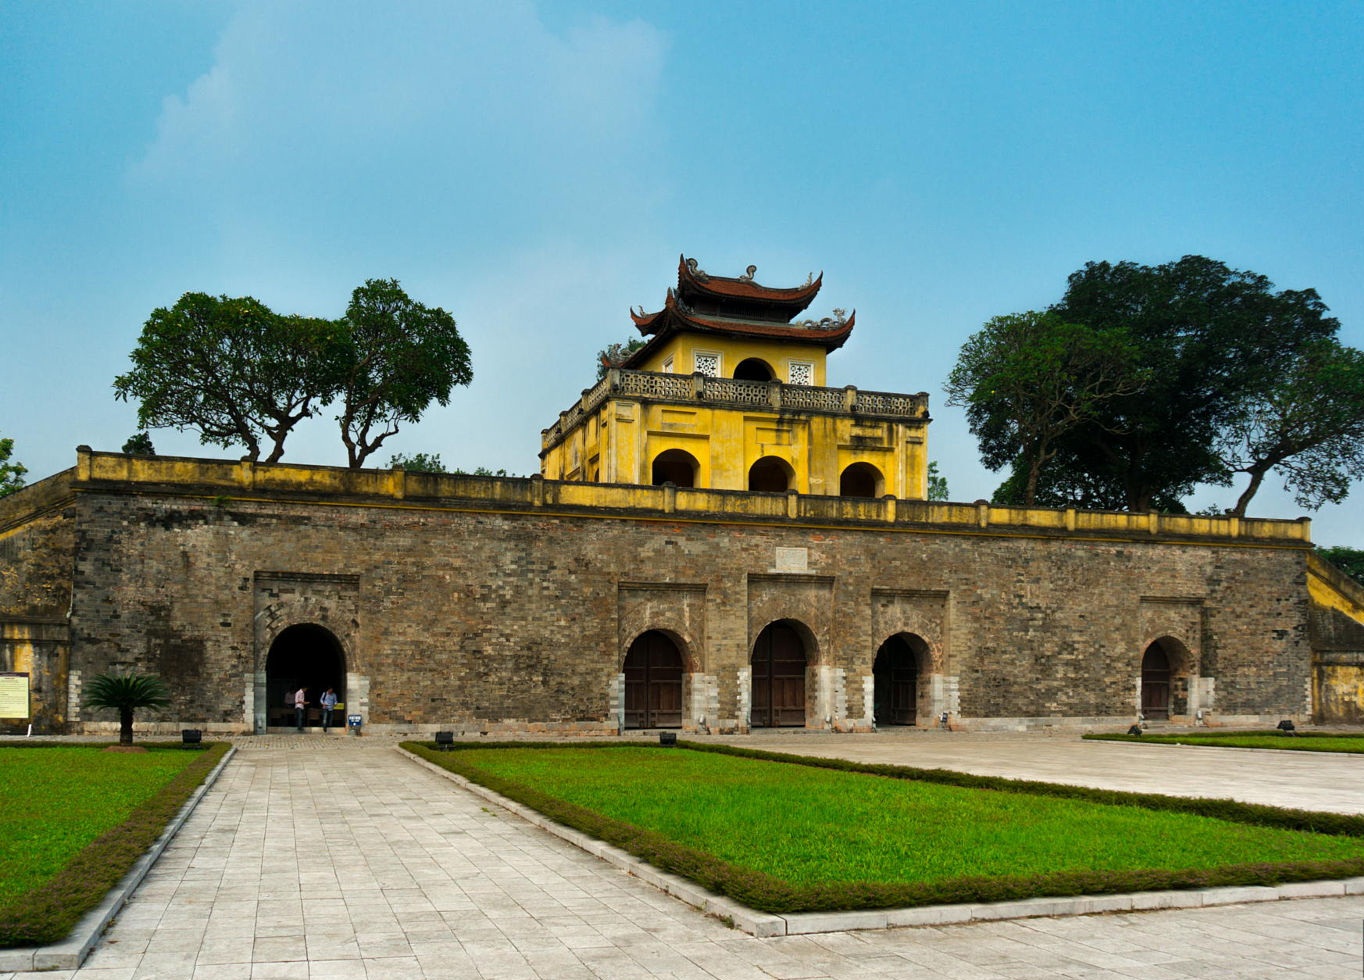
pixel 11 474
pixel 396 357
pixel 1307 424
pixel 1212 341
pixel 126 694
pixel 1213 337
pixel 231 369
pixel 1029 379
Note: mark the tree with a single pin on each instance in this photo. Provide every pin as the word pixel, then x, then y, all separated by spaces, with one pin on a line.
pixel 937 483
pixel 139 444
pixel 1029 379
pixel 231 369
pixel 11 474
pixel 418 463
pixel 1308 425
pixel 614 355
pixel 397 356
pixel 126 693
pixel 1211 339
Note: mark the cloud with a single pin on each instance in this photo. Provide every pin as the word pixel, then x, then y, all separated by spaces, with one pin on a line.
pixel 357 119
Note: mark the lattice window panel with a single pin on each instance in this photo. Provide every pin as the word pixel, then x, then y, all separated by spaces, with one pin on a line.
pixel 707 364
pixel 802 373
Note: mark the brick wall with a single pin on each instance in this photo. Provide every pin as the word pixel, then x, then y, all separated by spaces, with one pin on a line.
pixel 456 614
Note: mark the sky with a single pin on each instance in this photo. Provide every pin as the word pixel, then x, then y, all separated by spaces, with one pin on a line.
pixel 537 168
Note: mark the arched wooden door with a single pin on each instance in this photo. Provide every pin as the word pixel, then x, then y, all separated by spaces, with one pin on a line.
pixel 1155 683
pixel 653 682
pixel 778 678
pixel 895 683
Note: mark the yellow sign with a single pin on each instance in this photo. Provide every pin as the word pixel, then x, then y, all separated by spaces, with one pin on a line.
pixel 13 695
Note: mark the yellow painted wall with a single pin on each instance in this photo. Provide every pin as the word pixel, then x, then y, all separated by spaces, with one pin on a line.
pixel 619 441
pixel 778 354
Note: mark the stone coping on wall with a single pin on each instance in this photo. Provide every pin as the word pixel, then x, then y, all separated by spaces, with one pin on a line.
pixel 221 482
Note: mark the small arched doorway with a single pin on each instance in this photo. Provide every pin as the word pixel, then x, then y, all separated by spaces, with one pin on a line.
pixel 895 680
pixel 754 369
pixel 653 682
pixel 778 678
pixel 675 466
pixel 770 475
pixel 304 655
pixel 861 480
pixel 1155 683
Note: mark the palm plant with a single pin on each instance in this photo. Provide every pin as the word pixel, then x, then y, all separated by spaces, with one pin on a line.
pixel 125 693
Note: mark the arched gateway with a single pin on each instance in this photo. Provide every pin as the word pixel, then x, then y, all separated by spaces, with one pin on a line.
pixel 303 655
pixel 778 678
pixel 1155 683
pixel 895 674
pixel 653 682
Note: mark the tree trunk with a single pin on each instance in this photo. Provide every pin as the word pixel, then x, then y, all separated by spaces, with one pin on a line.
pixel 1257 477
pixel 125 726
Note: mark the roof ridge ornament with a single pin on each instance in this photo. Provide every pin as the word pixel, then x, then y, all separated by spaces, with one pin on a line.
pixel 695 268
pixel 748 274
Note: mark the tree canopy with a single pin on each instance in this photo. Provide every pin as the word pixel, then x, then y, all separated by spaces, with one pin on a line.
pixel 397 357
pixel 11 474
pixel 231 369
pixel 240 374
pixel 1212 374
pixel 1028 379
pixel 418 462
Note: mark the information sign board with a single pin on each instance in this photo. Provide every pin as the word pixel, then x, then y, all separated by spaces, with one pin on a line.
pixel 14 695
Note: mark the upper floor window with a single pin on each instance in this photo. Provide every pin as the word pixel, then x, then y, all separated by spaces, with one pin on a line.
pixel 802 373
pixel 668 365
pixel 707 364
pixel 753 369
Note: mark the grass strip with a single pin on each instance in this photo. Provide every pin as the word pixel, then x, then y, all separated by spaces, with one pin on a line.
pixel 52 790
pixel 772 880
pixel 1298 742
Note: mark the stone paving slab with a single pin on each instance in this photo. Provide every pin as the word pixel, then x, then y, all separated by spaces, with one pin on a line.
pixel 334 857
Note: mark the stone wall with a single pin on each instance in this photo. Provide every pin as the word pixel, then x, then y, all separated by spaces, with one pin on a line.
pixel 497 612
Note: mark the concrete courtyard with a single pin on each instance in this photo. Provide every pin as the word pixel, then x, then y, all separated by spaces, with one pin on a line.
pixel 338 857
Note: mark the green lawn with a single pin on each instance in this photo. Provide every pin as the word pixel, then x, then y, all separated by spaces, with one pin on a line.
pixel 798 836
pixel 1301 742
pixel 74 820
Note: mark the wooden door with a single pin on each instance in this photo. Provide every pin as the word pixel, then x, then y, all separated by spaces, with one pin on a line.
pixel 1155 683
pixel 653 682
pixel 895 685
pixel 778 679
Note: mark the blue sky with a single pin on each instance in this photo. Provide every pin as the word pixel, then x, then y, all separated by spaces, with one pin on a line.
pixel 536 168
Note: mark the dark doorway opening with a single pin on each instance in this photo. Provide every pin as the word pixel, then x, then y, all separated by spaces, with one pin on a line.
pixel 778 678
pixel 1155 683
pixel 304 655
pixel 895 680
pixel 675 466
pixel 653 682
pixel 770 475
pixel 860 480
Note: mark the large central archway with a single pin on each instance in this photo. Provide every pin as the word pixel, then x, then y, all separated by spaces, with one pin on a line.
pixel 653 682
pixel 778 678
pixel 304 655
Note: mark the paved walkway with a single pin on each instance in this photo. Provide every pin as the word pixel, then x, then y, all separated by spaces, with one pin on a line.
pixel 340 858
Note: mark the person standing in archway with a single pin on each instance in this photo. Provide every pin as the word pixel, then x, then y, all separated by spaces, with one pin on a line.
pixel 328 703
pixel 300 706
